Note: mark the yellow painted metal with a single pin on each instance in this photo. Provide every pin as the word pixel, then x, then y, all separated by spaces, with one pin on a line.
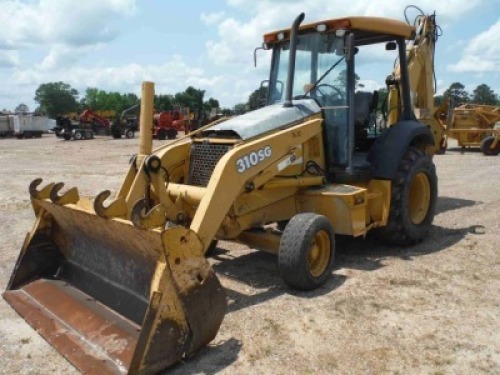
pixel 259 199
pixel 420 64
pixel 379 201
pixel 319 252
pixel 343 205
pixel 419 198
pixel 146 119
pixel 266 240
pixel 218 200
pixel 370 24
pixel 295 182
pixel 471 123
pixel 282 209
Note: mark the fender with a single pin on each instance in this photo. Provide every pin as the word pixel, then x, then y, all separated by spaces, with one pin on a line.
pixel 390 147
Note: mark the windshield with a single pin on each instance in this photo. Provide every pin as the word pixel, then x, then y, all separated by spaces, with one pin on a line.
pixel 320 70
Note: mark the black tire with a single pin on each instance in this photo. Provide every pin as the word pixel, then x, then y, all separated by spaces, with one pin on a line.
pixel 162 134
pixel 413 200
pixel 486 146
pixel 87 134
pixel 129 133
pixel 78 135
pixel 67 137
pixel 171 133
pixel 307 251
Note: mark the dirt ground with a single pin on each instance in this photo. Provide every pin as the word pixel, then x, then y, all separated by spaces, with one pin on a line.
pixel 428 309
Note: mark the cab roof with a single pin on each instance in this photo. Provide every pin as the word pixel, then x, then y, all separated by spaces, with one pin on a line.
pixel 376 26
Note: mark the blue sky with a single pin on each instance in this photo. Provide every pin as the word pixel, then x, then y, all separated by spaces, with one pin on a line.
pixel 116 44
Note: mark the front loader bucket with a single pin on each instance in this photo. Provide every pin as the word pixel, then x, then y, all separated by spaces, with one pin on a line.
pixel 112 298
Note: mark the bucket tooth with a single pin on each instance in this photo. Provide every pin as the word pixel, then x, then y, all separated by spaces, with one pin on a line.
pixel 43 193
pixel 144 218
pixel 69 197
pixel 116 208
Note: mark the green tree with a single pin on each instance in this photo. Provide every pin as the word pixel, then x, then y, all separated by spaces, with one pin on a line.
pixel 100 100
pixel 257 99
pixel 22 108
pixel 56 98
pixel 193 99
pixel 240 108
pixel 457 93
pixel 211 103
pixel 341 79
pixel 438 99
pixel 164 102
pixel 483 94
pixel 382 99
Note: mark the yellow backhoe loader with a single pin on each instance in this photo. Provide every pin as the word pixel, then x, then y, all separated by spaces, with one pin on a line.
pixel 125 288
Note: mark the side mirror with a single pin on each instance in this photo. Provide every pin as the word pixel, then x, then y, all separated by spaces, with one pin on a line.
pixel 390 46
pixel 264 47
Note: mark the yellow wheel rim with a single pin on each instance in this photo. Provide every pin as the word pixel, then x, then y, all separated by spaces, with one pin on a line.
pixel 318 255
pixel 420 198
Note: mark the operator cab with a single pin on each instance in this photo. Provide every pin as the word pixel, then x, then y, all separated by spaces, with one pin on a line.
pixel 330 57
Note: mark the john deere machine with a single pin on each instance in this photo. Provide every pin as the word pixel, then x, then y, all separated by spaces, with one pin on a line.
pixel 476 125
pixel 125 288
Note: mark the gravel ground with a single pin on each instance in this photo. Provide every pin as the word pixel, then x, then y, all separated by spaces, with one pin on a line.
pixel 429 309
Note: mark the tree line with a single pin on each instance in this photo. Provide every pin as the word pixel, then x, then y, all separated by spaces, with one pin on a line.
pixel 59 98
pixel 457 95
pixel 56 98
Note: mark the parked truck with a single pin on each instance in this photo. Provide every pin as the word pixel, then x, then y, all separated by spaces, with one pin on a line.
pixel 28 126
pixel 4 126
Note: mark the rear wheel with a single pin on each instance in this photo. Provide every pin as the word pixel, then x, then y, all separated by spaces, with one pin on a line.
pixel 78 136
pixel 171 133
pixel 67 137
pixel 486 146
pixel 87 134
pixel 162 134
pixel 306 252
pixel 413 200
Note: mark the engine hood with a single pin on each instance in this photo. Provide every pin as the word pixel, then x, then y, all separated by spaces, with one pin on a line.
pixel 266 119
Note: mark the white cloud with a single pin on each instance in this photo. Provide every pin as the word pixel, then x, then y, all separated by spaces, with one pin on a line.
pixel 8 59
pixel 61 21
pixel 239 36
pixel 170 76
pixel 212 18
pixel 482 53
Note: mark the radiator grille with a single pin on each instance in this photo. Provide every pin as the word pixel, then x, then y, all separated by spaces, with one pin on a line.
pixel 204 157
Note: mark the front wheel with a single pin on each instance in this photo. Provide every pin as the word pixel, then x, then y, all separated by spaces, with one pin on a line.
pixel 129 133
pixel 486 146
pixel 307 250
pixel 413 200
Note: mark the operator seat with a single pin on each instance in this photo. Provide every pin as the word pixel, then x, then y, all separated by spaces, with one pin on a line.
pixel 365 104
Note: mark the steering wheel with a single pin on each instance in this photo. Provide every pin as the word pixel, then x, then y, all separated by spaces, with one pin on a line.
pixel 338 93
